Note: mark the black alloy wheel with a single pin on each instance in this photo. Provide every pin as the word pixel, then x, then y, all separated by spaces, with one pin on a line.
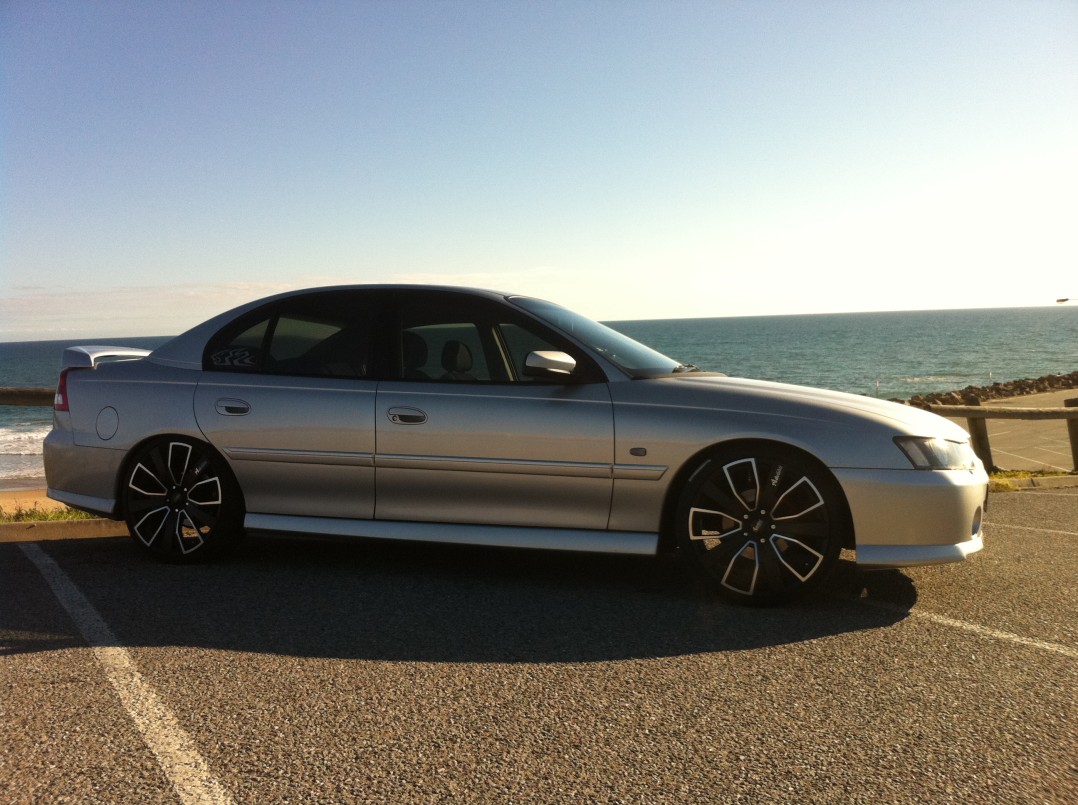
pixel 181 502
pixel 762 524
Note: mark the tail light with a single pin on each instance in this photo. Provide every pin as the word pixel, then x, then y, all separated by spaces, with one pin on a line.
pixel 60 401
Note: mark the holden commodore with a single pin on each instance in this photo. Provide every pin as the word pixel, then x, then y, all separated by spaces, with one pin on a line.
pixel 468 416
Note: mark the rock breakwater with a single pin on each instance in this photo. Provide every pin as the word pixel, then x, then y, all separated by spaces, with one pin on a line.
pixel 996 391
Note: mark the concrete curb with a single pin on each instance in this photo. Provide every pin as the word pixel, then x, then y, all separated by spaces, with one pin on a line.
pixel 1050 482
pixel 37 531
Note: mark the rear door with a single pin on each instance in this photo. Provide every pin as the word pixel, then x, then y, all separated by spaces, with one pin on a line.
pixel 286 396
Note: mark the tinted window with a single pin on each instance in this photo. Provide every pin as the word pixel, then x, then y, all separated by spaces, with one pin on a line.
pixel 635 358
pixel 450 351
pixel 455 338
pixel 238 351
pixel 519 343
pixel 316 335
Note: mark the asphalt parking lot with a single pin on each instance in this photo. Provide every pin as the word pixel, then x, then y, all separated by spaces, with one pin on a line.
pixel 341 671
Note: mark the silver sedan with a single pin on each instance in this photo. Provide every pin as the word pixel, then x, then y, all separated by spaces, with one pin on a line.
pixel 468 416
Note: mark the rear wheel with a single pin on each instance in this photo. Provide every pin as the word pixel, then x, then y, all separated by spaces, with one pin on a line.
pixel 762 524
pixel 181 502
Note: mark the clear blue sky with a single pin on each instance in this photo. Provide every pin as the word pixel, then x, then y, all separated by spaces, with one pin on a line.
pixel 163 161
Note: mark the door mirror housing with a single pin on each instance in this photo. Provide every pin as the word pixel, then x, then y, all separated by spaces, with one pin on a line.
pixel 550 364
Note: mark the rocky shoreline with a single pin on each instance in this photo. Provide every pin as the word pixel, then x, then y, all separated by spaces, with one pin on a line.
pixel 1012 388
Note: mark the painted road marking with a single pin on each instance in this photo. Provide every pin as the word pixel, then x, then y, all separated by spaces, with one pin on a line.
pixel 975 628
pixel 1031 528
pixel 174 749
pixel 1042 492
pixel 1010 637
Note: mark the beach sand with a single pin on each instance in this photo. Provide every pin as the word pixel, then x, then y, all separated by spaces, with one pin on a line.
pixel 26 498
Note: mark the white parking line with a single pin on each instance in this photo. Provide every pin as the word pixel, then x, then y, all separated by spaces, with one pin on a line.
pixel 175 750
pixel 1009 637
pixel 1031 528
pixel 975 628
pixel 1053 467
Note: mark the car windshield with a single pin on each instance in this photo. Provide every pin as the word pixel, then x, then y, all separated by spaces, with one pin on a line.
pixel 632 356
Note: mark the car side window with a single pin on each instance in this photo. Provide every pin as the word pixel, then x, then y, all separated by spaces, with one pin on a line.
pixel 320 335
pixel 237 351
pixel 519 343
pixel 452 351
pixel 446 338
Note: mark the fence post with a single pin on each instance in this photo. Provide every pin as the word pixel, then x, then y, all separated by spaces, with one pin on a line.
pixel 1072 431
pixel 978 432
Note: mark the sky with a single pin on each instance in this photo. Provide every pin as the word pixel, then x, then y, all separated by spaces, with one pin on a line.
pixel 161 162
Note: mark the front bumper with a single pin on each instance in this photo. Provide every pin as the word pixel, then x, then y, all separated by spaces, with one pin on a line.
pixel 882 556
pixel 903 518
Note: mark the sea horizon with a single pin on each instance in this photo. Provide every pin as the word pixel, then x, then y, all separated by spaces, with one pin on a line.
pixel 83 340
pixel 889 354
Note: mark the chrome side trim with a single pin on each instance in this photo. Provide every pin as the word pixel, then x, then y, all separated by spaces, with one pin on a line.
pixel 567 469
pixel 299 456
pixel 86 503
pixel 639 472
pixel 881 556
pixel 562 469
pixel 554 539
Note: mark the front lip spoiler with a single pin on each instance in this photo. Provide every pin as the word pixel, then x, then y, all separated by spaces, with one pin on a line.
pixel 884 556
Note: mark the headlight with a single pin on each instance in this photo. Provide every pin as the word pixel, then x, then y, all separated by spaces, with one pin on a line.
pixel 933 453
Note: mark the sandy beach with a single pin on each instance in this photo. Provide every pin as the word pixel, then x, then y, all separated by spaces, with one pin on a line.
pixel 29 493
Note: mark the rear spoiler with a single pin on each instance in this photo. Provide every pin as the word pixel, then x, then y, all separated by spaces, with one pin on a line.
pixel 90 357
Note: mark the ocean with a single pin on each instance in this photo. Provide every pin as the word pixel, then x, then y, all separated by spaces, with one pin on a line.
pixel 888 355
pixel 36 364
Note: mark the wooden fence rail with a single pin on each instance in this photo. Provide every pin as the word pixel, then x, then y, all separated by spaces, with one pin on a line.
pixel 975 417
pixel 17 396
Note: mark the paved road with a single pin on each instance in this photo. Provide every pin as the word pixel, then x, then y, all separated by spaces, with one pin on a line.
pixel 328 672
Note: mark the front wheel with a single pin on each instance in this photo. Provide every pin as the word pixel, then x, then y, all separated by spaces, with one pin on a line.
pixel 181 502
pixel 762 524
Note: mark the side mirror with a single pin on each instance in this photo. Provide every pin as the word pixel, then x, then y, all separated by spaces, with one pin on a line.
pixel 549 364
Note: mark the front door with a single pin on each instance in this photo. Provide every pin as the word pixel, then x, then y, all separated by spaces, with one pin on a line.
pixel 464 436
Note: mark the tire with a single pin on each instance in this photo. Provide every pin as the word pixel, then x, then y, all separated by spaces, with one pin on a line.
pixel 181 502
pixel 761 524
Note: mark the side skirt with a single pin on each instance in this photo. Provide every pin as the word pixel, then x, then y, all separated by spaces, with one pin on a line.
pixel 552 539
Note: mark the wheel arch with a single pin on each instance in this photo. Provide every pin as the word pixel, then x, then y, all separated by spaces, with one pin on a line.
pixel 667 532
pixel 134 450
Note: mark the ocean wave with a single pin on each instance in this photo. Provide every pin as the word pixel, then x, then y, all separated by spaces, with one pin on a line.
pixel 21 467
pixel 22 441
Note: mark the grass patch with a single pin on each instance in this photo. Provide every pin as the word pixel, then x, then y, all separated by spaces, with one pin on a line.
pixel 1030 474
pixel 1002 481
pixel 36 514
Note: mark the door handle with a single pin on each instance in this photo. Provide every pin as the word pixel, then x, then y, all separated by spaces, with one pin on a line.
pixel 230 407
pixel 406 416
